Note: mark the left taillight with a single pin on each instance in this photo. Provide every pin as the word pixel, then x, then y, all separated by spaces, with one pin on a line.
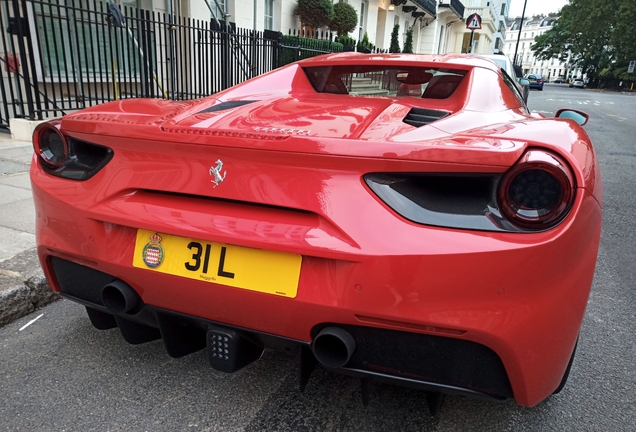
pixel 66 157
pixel 50 145
pixel 538 192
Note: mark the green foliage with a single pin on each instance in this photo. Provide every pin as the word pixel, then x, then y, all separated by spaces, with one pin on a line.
pixel 364 45
pixel 365 40
pixel 345 18
pixel 315 13
pixel 346 40
pixel 408 45
pixel 395 44
pixel 299 48
pixel 594 36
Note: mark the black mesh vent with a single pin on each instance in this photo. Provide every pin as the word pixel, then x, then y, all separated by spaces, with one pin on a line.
pixel 226 105
pixel 434 359
pixel 421 116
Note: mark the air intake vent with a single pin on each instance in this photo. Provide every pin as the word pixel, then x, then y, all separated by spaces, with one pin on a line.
pixel 421 116
pixel 226 105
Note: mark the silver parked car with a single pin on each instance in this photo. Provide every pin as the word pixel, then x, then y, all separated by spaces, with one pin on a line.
pixel 577 83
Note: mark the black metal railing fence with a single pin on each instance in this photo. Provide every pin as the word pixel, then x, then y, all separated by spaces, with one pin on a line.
pixel 59 56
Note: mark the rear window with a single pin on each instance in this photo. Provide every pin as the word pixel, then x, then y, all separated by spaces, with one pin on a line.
pixel 419 82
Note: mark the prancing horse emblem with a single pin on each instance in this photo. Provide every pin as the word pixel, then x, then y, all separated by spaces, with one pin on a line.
pixel 216 172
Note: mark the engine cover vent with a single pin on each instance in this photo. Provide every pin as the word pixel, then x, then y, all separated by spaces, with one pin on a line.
pixel 226 105
pixel 421 116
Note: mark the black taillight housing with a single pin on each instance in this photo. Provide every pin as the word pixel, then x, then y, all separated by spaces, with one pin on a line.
pixel 67 157
pixel 538 192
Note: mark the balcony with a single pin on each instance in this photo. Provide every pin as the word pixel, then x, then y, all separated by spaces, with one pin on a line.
pixel 428 6
pixel 454 5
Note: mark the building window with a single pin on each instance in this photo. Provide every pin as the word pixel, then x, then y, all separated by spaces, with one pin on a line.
pixel 216 13
pixel 130 3
pixel 361 31
pixel 269 14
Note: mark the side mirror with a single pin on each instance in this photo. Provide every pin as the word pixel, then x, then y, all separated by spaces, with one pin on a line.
pixel 578 116
pixel 524 82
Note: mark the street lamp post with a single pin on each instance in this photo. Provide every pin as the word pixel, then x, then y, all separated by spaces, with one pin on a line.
pixel 523 14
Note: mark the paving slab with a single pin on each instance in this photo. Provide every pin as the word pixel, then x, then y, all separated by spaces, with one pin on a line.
pixel 19 216
pixel 10 194
pixel 12 242
pixel 19 180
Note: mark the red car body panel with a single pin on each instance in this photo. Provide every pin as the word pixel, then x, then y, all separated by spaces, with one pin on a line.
pixel 523 295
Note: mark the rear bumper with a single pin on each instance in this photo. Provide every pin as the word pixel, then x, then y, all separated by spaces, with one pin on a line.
pixel 518 297
pixel 427 362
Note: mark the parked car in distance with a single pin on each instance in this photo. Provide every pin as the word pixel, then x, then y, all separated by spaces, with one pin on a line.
pixel 536 81
pixel 559 80
pixel 577 83
pixel 506 64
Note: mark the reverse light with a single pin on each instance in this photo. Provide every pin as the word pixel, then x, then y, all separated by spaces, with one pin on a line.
pixel 67 157
pixel 537 193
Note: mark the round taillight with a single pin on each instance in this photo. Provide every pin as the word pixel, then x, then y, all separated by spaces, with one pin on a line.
pixel 51 146
pixel 537 192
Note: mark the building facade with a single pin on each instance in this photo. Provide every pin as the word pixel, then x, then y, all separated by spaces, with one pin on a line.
pixel 439 26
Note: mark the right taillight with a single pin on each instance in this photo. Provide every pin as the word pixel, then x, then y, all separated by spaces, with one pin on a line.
pixel 537 193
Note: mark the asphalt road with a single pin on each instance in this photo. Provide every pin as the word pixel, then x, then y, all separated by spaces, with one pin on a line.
pixel 61 374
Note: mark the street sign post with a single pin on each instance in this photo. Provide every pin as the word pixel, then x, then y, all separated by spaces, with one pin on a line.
pixel 630 69
pixel 473 23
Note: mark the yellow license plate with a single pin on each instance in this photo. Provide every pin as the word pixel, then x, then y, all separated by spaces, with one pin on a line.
pixel 251 269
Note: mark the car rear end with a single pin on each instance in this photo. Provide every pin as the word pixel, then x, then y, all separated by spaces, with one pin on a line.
pixel 381 249
pixel 536 82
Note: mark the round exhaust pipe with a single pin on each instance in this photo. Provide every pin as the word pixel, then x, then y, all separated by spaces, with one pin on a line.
pixel 119 298
pixel 333 347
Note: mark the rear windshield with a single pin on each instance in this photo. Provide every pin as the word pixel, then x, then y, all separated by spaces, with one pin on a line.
pixel 385 81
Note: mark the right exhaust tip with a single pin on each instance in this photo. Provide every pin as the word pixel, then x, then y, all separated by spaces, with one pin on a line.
pixel 333 347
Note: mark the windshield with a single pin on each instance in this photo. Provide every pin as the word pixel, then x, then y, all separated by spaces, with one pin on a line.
pixel 434 83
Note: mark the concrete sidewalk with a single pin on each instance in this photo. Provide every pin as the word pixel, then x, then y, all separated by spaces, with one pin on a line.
pixel 23 288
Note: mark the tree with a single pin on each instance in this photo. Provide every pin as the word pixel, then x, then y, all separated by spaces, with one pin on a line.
pixel 592 36
pixel 408 45
pixel 315 13
pixel 395 44
pixel 345 18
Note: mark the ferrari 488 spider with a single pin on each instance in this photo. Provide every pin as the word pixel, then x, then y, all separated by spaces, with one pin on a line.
pixel 400 218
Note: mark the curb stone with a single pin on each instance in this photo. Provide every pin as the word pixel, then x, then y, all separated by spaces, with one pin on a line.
pixel 23 287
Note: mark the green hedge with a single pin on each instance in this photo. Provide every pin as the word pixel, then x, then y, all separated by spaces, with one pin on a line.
pixel 305 48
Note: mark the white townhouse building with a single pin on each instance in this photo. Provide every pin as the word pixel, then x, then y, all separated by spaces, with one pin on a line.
pixel 438 25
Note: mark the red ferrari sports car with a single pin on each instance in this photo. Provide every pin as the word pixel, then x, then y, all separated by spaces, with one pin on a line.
pixel 400 218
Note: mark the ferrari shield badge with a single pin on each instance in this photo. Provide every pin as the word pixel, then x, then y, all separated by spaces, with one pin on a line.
pixel 217 174
pixel 152 253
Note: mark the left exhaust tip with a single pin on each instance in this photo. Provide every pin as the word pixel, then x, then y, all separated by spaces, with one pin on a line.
pixel 120 298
